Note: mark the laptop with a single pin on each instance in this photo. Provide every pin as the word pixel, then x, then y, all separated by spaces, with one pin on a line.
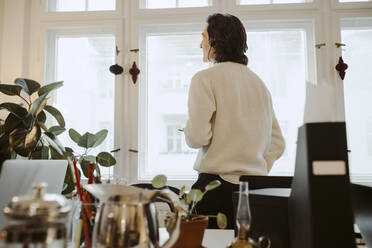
pixel 18 176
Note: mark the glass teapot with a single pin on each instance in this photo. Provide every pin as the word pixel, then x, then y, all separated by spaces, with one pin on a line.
pixel 39 220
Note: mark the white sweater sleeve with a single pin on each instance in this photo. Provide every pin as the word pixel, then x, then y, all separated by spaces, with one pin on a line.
pixel 277 145
pixel 201 107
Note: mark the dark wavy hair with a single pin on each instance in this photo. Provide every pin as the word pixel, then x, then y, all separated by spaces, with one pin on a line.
pixel 228 37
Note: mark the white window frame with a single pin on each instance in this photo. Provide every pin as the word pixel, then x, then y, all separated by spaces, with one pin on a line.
pixel 128 17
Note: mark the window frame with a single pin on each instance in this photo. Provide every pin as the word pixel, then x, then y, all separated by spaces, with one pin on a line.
pixel 127 18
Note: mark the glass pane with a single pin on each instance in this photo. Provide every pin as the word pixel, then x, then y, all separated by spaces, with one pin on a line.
pixel 171 61
pixel 87 98
pixel 358 90
pixel 80 5
pixel 346 1
pixel 158 4
pixel 248 2
pixel 280 59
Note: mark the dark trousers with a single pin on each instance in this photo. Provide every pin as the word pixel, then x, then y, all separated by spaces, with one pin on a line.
pixel 216 200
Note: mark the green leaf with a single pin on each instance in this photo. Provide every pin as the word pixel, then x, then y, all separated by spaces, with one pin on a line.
pixel 54 154
pixel 182 191
pixel 69 181
pixel 12 122
pixel 87 140
pixel 24 141
pixel 49 87
pixel 15 109
pixel 41 117
pixel 68 152
pixel 195 195
pixel 90 158
pixel 74 135
pixel 28 85
pixel 57 130
pixel 212 185
pixel 221 221
pixel 105 159
pixel 159 181
pixel 84 165
pixel 10 90
pixel 38 105
pixel 56 114
pixel 100 137
pixel 54 143
pixel 41 152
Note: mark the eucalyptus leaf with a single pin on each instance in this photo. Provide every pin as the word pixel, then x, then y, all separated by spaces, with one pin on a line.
pixel 74 135
pixel 24 141
pixel 28 85
pixel 160 181
pixel 38 105
pixel 57 130
pixel 84 165
pixel 68 152
pixel 221 221
pixel 49 87
pixel 195 195
pixel 87 140
pixel 90 158
pixel 10 90
pixel 12 122
pixel 56 114
pixel 100 137
pixel 212 185
pixel 15 109
pixel 69 181
pixel 105 159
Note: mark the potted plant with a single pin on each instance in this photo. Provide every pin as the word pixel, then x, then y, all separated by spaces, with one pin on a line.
pixel 192 225
pixel 24 131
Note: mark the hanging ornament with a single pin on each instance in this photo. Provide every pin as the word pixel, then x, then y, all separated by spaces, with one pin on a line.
pixel 116 69
pixel 341 67
pixel 134 71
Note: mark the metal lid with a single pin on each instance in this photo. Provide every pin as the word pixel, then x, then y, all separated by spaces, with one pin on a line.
pixel 40 206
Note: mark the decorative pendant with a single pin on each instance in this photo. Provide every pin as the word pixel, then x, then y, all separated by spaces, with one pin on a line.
pixel 341 67
pixel 134 71
pixel 116 69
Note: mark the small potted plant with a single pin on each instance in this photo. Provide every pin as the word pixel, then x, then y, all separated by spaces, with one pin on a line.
pixel 192 225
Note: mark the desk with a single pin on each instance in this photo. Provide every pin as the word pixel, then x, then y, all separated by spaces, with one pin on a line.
pixel 213 238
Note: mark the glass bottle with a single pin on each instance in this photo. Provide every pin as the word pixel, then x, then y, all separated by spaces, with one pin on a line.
pixel 243 218
pixel 243 214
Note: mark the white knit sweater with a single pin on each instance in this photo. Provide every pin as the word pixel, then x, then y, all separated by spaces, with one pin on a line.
pixel 232 120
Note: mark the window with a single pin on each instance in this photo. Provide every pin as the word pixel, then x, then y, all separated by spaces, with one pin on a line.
pixel 147 116
pixel 357 36
pixel 80 5
pixel 159 4
pixel 172 56
pixel 87 98
pixel 282 55
pixel 247 2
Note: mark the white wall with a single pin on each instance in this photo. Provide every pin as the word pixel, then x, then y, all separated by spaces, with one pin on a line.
pixel 1 29
pixel 14 27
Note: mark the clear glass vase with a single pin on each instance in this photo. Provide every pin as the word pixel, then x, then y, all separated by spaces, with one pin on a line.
pixel 243 214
